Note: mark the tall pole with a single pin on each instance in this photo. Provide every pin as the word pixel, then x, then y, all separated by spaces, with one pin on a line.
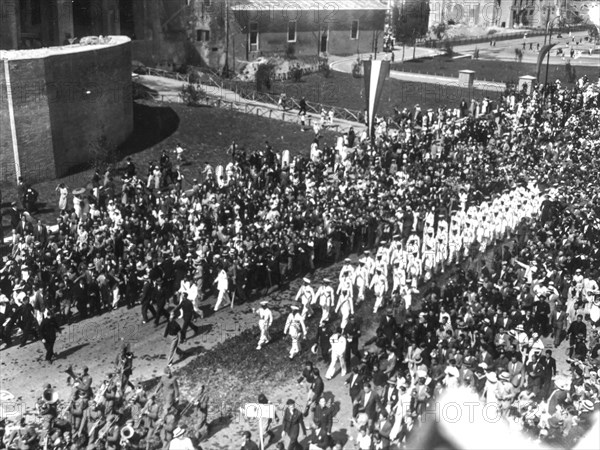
pixel 547 64
pixel 226 66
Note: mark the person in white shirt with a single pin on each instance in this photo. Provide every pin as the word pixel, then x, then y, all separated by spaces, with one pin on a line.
pixel 295 327
pixel 361 279
pixel 306 295
pixel 345 307
pixel 338 350
pixel 379 285
pixel 222 286
pixel 265 321
pixel 325 297
pixel 180 441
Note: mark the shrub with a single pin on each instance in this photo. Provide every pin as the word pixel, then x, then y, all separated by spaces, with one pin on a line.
pixel 191 94
pixel 139 91
pixel 194 77
pixel 357 69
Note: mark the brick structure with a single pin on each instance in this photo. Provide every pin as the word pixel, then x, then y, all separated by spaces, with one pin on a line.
pixel 71 105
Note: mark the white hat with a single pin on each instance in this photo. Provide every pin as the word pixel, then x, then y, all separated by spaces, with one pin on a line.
pixel 264 302
pixel 492 378
pixel 483 365
pixel 295 308
pixel 178 432
pixel 306 280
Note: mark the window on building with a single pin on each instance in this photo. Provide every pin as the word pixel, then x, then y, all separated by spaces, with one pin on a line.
pixel 291 31
pixel 354 32
pixel 203 35
pixel 253 36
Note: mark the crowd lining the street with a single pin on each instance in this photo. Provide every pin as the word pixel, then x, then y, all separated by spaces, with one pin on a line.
pixel 434 189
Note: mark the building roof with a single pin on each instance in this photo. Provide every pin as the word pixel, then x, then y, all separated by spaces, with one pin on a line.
pixel 308 5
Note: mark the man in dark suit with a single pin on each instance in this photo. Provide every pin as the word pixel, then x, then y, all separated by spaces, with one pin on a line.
pixel 293 421
pixel 549 364
pixel 48 330
pixel 576 328
pixel 559 325
pixel 369 403
pixel 146 298
pixel 355 383
pixel 187 308
pixel 40 232
pixel 14 215
pixel 535 371
pixel 504 321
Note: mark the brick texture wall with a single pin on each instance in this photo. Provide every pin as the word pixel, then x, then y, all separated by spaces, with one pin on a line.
pixel 70 109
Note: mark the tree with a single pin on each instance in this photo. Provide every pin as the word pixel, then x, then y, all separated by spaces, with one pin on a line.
pixel 191 94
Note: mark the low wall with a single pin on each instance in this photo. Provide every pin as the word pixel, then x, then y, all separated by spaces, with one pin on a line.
pixel 72 105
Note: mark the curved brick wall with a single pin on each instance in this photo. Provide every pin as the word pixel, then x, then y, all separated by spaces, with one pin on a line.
pixel 66 101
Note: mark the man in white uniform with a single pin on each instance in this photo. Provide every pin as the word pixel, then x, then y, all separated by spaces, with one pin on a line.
pixel 295 327
pixel 264 322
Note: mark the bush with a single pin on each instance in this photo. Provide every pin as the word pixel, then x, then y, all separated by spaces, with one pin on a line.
pixel 194 77
pixel 139 91
pixel 191 94
pixel 357 69
pixel 264 75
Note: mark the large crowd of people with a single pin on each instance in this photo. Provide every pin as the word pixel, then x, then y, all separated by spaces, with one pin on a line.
pixel 431 190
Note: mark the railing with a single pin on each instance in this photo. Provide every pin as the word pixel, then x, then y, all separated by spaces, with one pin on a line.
pixel 251 94
pixel 243 107
pixel 167 74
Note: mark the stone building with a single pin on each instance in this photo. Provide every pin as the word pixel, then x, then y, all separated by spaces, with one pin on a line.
pixel 199 32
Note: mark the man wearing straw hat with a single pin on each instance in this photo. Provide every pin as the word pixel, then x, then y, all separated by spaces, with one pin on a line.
pixel 180 441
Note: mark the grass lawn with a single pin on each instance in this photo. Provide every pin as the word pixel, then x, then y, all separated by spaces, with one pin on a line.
pixel 343 90
pixel 489 70
pixel 204 132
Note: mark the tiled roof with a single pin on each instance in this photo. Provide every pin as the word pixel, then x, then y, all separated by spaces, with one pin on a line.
pixel 307 5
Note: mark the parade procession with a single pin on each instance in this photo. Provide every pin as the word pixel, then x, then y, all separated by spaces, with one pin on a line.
pixel 338 297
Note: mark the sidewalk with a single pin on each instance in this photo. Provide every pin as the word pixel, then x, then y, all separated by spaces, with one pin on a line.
pixel 344 64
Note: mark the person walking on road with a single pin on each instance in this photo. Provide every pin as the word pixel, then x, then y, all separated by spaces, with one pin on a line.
pixel 264 323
